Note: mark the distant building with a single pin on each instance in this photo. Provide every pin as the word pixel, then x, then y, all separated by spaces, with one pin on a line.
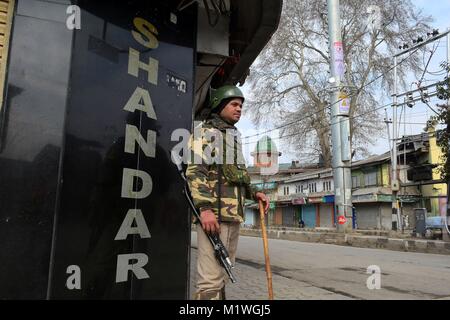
pixel 309 196
pixel 307 191
pixel 434 195
pixel 266 153
pixel 372 193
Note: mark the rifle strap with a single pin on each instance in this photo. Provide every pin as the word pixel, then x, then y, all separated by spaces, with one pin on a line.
pixel 219 193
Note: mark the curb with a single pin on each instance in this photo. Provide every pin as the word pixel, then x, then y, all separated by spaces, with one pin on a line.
pixel 374 242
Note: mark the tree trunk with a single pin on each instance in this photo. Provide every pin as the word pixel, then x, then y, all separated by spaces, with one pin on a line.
pixel 325 147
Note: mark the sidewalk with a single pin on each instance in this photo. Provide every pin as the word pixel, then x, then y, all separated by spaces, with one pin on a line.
pixel 252 284
pixel 361 239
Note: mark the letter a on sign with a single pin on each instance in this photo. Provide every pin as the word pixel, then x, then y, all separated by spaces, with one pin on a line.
pixel 127 225
pixel 140 100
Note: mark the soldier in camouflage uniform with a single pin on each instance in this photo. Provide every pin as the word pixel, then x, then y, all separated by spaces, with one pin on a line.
pixel 219 198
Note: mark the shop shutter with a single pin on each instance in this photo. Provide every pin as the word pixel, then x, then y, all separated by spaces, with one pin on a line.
pixel 309 215
pixel 289 216
pixel 326 217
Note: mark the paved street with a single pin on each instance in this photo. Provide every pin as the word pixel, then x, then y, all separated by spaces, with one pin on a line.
pixel 322 271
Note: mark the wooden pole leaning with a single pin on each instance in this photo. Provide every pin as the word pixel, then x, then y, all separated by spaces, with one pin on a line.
pixel 266 249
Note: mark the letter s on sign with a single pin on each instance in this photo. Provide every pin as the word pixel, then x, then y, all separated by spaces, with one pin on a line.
pixel 145 28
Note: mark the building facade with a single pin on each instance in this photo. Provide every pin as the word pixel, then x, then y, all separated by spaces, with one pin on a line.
pixel 306 193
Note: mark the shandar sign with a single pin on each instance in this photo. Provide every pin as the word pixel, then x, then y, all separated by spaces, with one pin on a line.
pixel 140 100
pixel 103 195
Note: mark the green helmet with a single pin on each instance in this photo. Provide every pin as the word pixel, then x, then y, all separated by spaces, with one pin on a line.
pixel 225 92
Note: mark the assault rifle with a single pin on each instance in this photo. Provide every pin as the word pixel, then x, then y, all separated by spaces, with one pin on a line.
pixel 219 249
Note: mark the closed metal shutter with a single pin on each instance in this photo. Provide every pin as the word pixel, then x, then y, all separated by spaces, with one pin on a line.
pixel 309 215
pixel 367 216
pixel 6 13
pixel 278 217
pixel 249 217
pixel 326 219
pixel 289 216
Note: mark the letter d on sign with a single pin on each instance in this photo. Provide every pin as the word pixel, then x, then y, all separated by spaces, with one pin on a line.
pixel 374 281
pixel 128 180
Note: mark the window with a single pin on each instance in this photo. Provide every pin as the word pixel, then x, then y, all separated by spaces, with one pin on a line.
pixel 356 182
pixel 370 179
pixel 286 191
pixel 326 185
pixel 312 187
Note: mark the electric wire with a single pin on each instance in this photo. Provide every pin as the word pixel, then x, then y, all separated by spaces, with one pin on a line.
pixel 323 127
pixel 336 102
pixel 433 51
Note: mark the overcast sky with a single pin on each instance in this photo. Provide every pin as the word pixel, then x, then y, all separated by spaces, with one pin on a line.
pixel 416 117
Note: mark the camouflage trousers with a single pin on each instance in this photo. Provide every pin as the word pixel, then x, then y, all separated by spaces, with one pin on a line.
pixel 211 277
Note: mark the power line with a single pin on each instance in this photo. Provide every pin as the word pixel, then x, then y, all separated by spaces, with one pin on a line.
pixel 433 51
pixel 323 109
pixel 354 117
pixel 431 108
pixel 323 127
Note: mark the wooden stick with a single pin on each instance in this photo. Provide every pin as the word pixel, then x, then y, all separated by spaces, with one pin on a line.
pixel 266 250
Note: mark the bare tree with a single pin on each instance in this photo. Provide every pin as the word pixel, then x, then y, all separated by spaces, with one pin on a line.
pixel 289 80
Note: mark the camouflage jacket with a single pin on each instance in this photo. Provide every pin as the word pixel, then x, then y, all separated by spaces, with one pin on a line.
pixel 202 172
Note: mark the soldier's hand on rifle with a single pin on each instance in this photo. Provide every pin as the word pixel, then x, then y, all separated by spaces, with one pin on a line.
pixel 209 222
pixel 261 196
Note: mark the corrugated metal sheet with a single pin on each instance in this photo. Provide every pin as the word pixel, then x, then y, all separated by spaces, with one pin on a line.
pixel 289 216
pixel 309 216
pixel 326 218
pixel 368 216
pixel 278 219
pixel 249 217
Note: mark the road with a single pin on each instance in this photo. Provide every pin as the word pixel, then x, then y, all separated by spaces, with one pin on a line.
pixel 322 271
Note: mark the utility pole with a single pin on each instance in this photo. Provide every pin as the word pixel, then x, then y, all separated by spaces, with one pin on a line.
pixel 395 185
pixel 340 123
pixel 388 122
pixel 446 232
